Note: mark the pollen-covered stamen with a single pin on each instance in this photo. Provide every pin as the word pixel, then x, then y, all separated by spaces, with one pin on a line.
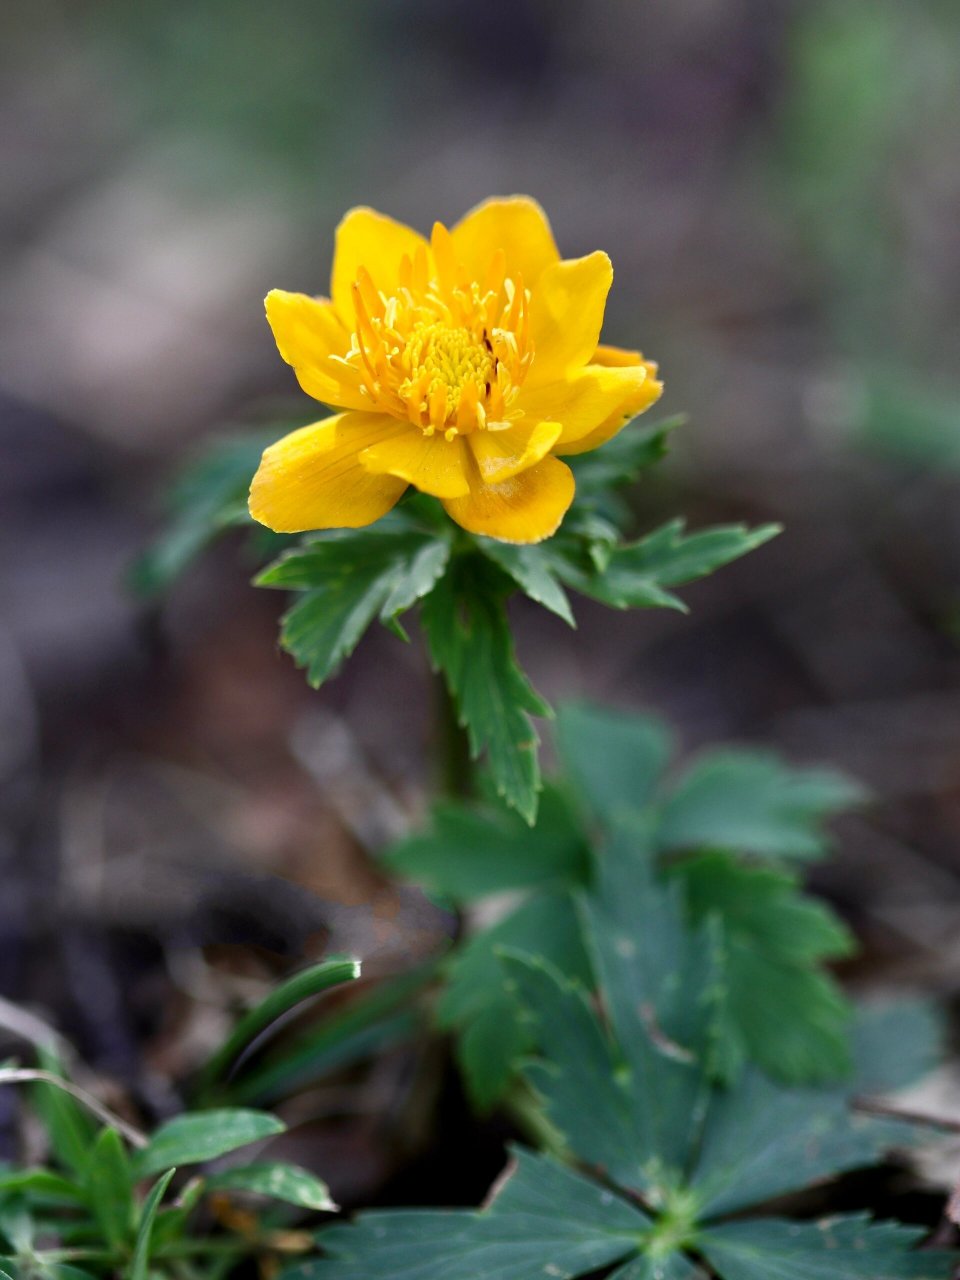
pixel 443 351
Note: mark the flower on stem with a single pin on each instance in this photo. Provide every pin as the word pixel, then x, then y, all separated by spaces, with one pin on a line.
pixel 462 365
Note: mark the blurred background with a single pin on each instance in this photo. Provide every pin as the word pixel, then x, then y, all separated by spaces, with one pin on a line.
pixel 778 185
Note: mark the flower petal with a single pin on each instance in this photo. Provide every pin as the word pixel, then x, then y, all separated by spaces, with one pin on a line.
pixel 312 478
pixel 593 403
pixel 499 455
pixel 432 464
pixel 566 315
pixel 618 357
pixel 308 332
pixel 369 239
pixel 526 508
pixel 515 224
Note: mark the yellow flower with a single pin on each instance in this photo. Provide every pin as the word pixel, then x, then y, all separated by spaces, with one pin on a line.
pixel 462 365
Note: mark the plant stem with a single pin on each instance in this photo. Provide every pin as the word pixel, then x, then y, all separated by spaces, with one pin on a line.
pixel 454 771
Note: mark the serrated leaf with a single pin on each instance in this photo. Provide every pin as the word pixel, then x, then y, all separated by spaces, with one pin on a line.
pixel 470 851
pixel 852 1247
pixel 349 580
pixel 783 1011
pixel 140 1265
pixel 749 801
pixel 470 641
pixel 615 760
pixel 530 568
pixel 284 1182
pixel 477 1001
pixel 109 1183
pixel 203 1135
pixel 546 1220
pixel 664 993
pixel 638 574
pixel 579 1062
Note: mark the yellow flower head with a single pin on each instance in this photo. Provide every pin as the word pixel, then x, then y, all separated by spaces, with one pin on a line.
pixel 462 364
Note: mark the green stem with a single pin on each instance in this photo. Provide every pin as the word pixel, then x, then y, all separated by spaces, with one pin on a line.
pixel 454 770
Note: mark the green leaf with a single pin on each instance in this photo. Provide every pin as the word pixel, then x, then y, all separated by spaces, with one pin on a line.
pixel 545 1220
pixel 896 1042
pixel 847 1247
pixel 470 851
pixel 204 1135
pixel 477 1001
pixel 664 993
pixel 762 1140
pixel 140 1266
pixel 109 1183
pixel 69 1129
pixel 350 579
pixel 209 497
pixel 284 1182
pixel 615 760
pixel 41 1185
pixel 301 986
pixel 382 1016
pixel 674 1266
pixel 638 574
pixel 749 801
pixel 578 1063
pixel 529 567
pixel 657 1121
pixel 469 638
pixel 783 1011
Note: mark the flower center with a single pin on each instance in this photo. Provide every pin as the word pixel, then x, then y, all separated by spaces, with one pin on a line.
pixel 444 351
pixel 443 365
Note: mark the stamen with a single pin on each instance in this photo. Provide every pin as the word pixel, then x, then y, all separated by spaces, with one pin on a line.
pixel 443 351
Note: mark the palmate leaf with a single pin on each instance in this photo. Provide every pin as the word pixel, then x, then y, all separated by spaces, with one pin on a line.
pixel 470 642
pixel 349 580
pixel 782 1010
pixel 545 1221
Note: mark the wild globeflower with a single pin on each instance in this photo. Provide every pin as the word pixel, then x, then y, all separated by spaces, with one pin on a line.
pixel 463 365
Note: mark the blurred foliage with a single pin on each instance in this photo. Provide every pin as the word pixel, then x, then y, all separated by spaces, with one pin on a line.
pixel 99 1209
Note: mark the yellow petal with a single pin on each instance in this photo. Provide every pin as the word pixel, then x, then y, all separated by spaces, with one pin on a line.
pixel 515 224
pixel 618 357
pixel 527 508
pixel 312 478
pixel 592 404
pixel 432 464
pixel 369 239
pixel 566 315
pixel 308 332
pixel 499 455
